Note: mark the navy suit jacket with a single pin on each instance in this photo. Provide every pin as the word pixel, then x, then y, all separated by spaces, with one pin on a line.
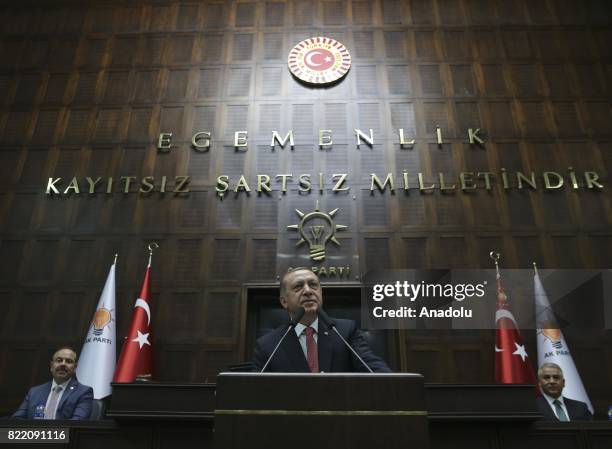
pixel 334 356
pixel 577 410
pixel 74 404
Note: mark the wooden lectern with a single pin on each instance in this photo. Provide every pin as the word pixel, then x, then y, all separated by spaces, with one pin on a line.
pixel 310 411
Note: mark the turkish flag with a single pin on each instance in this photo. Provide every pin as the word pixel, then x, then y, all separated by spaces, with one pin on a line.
pixel 512 365
pixel 136 357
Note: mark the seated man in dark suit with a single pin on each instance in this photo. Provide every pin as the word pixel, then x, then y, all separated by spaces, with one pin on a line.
pixel 552 404
pixel 61 398
pixel 312 346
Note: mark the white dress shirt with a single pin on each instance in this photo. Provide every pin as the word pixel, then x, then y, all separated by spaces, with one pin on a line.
pixel 299 330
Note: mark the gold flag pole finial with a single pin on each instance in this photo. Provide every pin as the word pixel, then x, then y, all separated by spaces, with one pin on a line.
pixel 495 257
pixel 152 246
pixel 115 262
pixel 535 268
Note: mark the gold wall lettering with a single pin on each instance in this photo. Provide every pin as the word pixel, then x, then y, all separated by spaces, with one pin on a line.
pixel 464 181
pixel 122 184
pixel 330 271
pixel 201 140
pixel 337 182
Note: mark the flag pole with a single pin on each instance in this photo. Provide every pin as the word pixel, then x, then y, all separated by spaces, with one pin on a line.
pixel 495 256
pixel 115 262
pixel 535 268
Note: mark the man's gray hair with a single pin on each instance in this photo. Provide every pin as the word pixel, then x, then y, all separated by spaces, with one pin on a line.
pixel 549 365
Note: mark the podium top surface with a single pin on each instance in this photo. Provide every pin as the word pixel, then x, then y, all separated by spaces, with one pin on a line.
pixel 394 376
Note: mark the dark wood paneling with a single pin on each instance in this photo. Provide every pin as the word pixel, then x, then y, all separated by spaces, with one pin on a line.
pixel 85 89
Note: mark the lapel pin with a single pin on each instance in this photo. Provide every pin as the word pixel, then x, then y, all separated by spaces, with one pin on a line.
pixel 326 333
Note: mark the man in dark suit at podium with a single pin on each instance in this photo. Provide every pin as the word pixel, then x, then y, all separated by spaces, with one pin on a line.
pixel 61 398
pixel 312 346
pixel 552 404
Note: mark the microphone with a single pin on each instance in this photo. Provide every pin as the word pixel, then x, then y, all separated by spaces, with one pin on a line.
pixel 296 319
pixel 332 325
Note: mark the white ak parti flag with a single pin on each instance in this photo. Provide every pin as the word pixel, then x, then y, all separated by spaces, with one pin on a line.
pixel 96 364
pixel 552 347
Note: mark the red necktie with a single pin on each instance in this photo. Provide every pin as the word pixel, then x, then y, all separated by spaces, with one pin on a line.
pixel 311 350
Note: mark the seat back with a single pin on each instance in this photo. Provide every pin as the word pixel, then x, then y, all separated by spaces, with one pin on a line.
pixel 98 408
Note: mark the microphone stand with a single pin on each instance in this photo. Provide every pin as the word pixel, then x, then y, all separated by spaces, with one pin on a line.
pixel 332 324
pixel 298 316
pixel 276 348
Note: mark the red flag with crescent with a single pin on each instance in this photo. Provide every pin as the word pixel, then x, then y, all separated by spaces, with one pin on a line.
pixel 136 357
pixel 512 364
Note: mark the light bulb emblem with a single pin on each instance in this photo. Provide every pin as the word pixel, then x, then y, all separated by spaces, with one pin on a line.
pixel 100 320
pixel 316 228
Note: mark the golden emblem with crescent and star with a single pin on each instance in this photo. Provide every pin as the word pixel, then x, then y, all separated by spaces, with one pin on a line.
pixel 319 60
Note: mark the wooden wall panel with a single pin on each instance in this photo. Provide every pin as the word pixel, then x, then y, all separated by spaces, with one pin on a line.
pixel 86 89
